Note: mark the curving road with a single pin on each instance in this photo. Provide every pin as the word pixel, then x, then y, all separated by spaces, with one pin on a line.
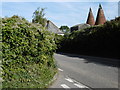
pixel 77 71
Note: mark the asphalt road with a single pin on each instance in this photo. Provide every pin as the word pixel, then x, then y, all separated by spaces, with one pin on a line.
pixel 77 71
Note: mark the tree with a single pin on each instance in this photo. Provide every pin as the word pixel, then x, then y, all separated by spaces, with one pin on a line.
pixel 65 29
pixel 38 16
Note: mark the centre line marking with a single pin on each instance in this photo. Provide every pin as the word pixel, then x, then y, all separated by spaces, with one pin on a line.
pixel 60 69
pixel 80 86
pixel 64 86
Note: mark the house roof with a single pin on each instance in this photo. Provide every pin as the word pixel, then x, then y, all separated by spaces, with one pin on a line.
pixel 100 19
pixel 90 19
pixel 53 28
pixel 83 25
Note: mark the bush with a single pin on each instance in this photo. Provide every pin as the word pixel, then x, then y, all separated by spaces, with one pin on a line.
pixel 27 54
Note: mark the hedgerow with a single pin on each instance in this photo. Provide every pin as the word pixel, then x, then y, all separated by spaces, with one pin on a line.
pixel 101 40
pixel 27 54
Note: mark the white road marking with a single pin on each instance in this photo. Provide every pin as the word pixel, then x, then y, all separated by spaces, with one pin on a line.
pixel 60 69
pixel 64 86
pixel 68 79
pixel 80 86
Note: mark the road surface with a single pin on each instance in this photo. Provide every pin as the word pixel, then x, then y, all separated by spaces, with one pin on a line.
pixel 77 71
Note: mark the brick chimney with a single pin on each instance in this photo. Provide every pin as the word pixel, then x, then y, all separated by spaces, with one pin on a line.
pixel 90 19
pixel 100 16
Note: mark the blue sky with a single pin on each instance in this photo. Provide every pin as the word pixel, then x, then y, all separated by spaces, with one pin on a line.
pixel 60 13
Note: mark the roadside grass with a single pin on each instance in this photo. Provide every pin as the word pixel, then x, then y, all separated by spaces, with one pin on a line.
pixel 31 76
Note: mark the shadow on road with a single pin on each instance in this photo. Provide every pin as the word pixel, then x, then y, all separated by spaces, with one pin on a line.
pixel 96 60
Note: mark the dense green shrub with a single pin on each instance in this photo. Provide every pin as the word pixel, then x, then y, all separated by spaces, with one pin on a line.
pixel 58 40
pixel 27 54
pixel 101 40
pixel 0 52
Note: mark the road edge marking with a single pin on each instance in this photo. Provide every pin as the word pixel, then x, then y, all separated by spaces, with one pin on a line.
pixel 69 79
pixel 65 86
pixel 80 86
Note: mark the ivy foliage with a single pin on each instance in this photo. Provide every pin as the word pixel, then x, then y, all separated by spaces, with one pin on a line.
pixel 27 52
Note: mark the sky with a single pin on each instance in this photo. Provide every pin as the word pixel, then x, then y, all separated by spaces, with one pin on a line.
pixel 67 12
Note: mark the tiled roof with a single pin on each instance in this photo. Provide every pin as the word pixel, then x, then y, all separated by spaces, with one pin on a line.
pixel 100 16
pixel 83 25
pixel 90 19
pixel 53 28
pixel 79 27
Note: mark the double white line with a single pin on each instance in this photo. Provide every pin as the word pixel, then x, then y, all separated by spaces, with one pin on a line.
pixel 79 85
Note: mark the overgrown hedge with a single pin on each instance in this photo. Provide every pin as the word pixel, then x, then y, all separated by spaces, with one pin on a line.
pixel 58 41
pixel 27 52
pixel 102 40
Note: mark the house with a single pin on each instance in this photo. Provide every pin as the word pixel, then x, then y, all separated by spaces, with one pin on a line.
pixel 100 19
